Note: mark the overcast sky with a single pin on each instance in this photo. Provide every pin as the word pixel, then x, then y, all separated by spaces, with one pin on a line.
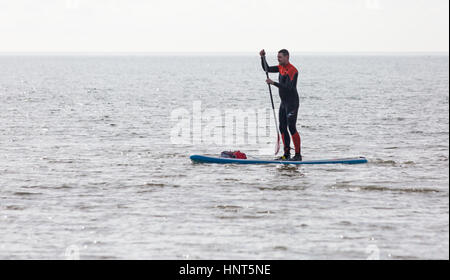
pixel 224 25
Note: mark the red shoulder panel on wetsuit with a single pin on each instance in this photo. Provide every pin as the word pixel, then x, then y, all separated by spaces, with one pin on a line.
pixel 288 70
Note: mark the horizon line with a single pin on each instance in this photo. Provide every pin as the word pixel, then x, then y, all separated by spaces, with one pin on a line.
pixel 217 53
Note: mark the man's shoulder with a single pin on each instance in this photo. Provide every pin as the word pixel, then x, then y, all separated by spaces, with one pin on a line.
pixel 293 69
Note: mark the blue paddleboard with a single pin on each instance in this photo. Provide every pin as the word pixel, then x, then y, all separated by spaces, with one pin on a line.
pixel 218 160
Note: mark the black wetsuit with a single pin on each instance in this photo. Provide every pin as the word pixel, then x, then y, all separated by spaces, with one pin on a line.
pixel 287 85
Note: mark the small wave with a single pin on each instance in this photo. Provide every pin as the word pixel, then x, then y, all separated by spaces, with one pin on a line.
pixel 442 158
pixel 384 162
pixel 403 257
pixel 146 191
pixel 106 258
pixel 406 190
pixel 26 193
pixel 388 189
pixel 86 207
pixel 33 187
pixel 14 207
pixel 280 248
pixel 149 187
pixel 352 237
pixel 154 185
pixel 231 179
pixel 61 187
pixel 345 223
pixel 267 212
pixel 227 207
pixel 334 170
pixel 251 217
pixel 61 161
pixel 416 132
pixel 282 188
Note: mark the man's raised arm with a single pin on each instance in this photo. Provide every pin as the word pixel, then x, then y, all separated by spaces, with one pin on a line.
pixel 265 66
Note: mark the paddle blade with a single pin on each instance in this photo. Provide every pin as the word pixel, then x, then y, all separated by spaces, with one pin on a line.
pixel 277 146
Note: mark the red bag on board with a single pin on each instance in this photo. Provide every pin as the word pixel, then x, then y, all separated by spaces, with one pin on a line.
pixel 236 155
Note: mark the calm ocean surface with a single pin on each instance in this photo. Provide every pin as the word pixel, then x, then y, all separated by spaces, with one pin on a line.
pixel 88 169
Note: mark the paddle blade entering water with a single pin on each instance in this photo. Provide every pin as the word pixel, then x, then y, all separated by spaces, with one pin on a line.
pixel 277 146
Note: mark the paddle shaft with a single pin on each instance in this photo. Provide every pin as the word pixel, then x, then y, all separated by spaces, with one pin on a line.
pixel 271 96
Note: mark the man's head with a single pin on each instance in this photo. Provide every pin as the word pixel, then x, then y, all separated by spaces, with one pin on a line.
pixel 283 57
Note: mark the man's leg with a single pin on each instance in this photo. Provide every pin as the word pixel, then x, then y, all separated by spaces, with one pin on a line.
pixel 292 124
pixel 284 131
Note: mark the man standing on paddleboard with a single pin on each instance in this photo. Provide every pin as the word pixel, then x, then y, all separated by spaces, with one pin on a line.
pixel 287 85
